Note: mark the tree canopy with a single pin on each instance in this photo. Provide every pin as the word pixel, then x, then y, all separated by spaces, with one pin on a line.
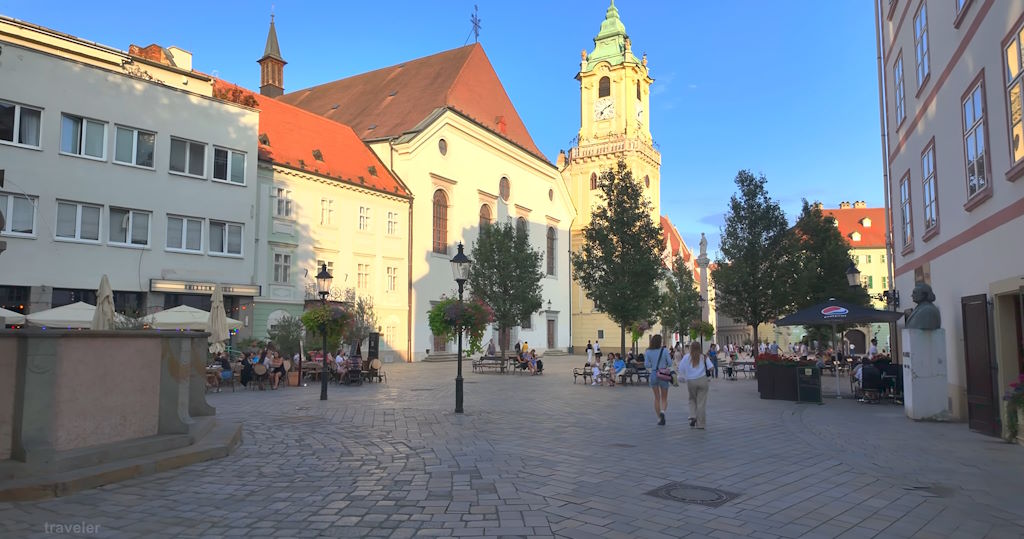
pixel 619 265
pixel 680 302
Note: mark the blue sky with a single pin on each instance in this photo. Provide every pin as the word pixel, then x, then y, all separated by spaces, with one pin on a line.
pixel 787 88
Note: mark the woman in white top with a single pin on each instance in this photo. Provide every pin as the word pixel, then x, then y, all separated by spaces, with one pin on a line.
pixel 693 368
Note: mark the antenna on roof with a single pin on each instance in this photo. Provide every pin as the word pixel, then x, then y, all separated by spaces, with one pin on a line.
pixel 474 19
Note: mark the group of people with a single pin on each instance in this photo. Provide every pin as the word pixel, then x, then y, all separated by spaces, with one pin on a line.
pixel 613 368
pixel 272 362
pixel 694 367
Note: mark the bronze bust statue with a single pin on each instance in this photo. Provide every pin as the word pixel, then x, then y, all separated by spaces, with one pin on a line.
pixel 926 314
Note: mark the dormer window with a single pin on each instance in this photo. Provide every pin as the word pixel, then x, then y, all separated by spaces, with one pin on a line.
pixel 604 87
pixel 855 236
pixel 866 222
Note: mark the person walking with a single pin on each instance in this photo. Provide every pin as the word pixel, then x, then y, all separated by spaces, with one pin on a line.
pixel 590 352
pixel 713 354
pixel 657 357
pixel 694 368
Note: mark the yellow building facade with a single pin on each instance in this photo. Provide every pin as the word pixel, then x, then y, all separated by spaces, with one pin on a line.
pixel 614 125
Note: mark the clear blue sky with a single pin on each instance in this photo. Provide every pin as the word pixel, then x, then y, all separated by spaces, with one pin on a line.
pixel 786 88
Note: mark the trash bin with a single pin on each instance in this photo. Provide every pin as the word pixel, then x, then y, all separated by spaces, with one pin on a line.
pixel 571 350
pixel 808 384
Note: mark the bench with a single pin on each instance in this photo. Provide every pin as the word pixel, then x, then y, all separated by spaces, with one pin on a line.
pixel 485 362
pixel 582 372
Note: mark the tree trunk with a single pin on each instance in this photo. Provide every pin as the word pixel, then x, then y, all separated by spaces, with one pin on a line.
pixel 622 341
pixel 757 343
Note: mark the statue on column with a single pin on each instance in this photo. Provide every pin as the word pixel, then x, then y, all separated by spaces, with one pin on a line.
pixel 703 246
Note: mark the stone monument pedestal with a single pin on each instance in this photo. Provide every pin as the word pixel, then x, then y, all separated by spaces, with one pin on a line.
pixel 925 388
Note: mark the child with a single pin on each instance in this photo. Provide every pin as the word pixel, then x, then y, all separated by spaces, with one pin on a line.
pixel 596 374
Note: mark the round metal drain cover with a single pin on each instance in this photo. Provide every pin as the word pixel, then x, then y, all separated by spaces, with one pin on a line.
pixel 682 492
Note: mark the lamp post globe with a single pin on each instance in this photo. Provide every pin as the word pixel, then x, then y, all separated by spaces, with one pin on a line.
pixel 460 269
pixel 853 275
pixel 323 289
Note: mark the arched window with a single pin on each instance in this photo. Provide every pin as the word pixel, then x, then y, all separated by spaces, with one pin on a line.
pixel 638 90
pixel 485 215
pixel 504 189
pixel 440 222
pixel 593 181
pixel 604 87
pixel 551 250
pixel 521 224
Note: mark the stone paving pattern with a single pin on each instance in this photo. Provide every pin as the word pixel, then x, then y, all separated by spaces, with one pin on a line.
pixel 537 456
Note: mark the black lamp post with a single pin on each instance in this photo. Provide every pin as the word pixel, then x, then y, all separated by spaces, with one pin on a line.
pixel 323 288
pixel 460 268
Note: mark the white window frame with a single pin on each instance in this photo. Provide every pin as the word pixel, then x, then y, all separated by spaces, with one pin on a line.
pixel 362 276
pixel 18 108
pixel 128 231
pixel 364 218
pixel 1015 85
pixel 921 44
pixel 8 210
pixel 392 279
pixel 320 262
pixel 899 94
pixel 928 185
pixel 282 195
pixel 392 223
pixel 184 235
pixel 228 225
pixel 282 267
pixel 78 223
pixel 906 215
pixel 327 211
pixel 83 132
pixel 188 157
pixel 972 134
pixel 230 165
pixel 135 147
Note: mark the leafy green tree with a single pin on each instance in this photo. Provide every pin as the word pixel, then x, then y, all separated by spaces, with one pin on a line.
pixel 506 275
pixel 754 272
pixel 286 334
pixel 619 265
pixel 680 302
pixel 364 319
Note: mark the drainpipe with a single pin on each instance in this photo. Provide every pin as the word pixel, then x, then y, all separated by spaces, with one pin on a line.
pixel 883 125
pixel 408 299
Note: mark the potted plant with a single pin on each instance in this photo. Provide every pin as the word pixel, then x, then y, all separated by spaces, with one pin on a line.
pixel 450 315
pixel 1015 409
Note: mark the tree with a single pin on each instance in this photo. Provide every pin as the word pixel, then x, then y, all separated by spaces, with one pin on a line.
pixel 364 319
pixel 619 265
pixel 754 272
pixel 680 302
pixel 286 334
pixel 506 275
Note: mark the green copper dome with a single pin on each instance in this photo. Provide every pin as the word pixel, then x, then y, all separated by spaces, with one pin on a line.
pixel 610 43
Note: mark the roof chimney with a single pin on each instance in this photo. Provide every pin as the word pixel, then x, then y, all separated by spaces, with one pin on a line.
pixel 181 58
pixel 860 204
pixel 560 164
pixel 844 205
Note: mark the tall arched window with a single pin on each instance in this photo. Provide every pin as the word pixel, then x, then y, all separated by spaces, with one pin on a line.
pixel 521 224
pixel 440 222
pixel 604 87
pixel 551 250
pixel 638 90
pixel 593 181
pixel 485 215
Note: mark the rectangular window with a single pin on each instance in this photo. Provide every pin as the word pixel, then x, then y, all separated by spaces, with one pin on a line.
pixel 134 147
pixel 320 264
pixel 184 234
pixel 1014 89
pixel 907 224
pixel 128 227
pixel 871 282
pixel 867 258
pixel 283 208
pixel 282 268
pixel 928 181
pixel 19 214
pixel 974 141
pixel 921 43
pixel 188 157
pixel 363 276
pixel 364 218
pixel 897 82
pixel 81 136
pixel 20 124
pixel 389 335
pixel 881 258
pixel 326 211
pixel 392 223
pixel 392 278
pixel 225 238
pixel 527 323
pixel 78 221
pixel 229 166
pixel 885 281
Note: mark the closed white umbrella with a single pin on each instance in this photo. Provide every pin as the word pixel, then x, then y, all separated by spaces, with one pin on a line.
pixel 185 317
pixel 11 318
pixel 218 323
pixel 103 315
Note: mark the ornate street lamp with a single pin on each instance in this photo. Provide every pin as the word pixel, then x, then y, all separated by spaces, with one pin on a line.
pixel 853 275
pixel 323 288
pixel 460 269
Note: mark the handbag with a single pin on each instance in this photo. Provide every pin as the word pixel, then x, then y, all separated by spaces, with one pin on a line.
pixel 665 373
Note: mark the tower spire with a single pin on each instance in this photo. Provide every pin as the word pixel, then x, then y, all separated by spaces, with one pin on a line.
pixel 272 65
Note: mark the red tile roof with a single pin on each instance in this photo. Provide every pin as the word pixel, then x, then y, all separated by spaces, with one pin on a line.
pixel 674 242
pixel 394 100
pixel 852 220
pixel 290 136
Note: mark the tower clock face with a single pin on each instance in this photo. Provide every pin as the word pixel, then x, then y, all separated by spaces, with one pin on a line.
pixel 604 109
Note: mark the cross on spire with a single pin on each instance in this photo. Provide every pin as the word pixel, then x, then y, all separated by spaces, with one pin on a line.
pixel 475 21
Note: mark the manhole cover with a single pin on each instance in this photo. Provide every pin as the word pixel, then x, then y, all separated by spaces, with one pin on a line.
pixel 681 492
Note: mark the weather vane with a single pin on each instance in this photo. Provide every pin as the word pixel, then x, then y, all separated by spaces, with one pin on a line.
pixel 475 20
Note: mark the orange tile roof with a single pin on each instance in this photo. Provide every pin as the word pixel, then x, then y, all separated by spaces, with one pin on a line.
pixel 392 101
pixel 291 137
pixel 852 220
pixel 674 242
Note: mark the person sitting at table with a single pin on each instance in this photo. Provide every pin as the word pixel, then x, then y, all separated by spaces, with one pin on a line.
pixel 225 369
pixel 247 374
pixel 276 370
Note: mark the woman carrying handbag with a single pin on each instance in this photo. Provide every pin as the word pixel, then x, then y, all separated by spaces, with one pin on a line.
pixel 659 363
pixel 695 367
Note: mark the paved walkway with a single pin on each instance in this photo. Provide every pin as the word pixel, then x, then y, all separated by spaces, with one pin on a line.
pixel 539 456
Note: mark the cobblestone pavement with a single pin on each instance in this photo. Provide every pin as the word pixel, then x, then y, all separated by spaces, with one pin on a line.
pixel 539 456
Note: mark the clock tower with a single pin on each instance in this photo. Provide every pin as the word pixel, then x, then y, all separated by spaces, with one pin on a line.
pixel 614 125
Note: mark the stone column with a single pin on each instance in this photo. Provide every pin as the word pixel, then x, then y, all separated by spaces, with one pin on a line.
pixel 702 263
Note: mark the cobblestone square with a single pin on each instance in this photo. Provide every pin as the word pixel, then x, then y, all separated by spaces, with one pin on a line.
pixel 539 456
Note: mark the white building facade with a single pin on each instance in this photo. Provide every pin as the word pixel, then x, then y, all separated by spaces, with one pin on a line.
pixel 120 164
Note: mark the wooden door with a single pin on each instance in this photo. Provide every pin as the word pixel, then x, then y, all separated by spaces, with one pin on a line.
pixel 982 404
pixel 551 334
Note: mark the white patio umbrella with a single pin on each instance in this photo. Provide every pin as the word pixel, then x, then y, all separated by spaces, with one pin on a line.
pixel 103 315
pixel 76 315
pixel 218 323
pixel 11 318
pixel 185 317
